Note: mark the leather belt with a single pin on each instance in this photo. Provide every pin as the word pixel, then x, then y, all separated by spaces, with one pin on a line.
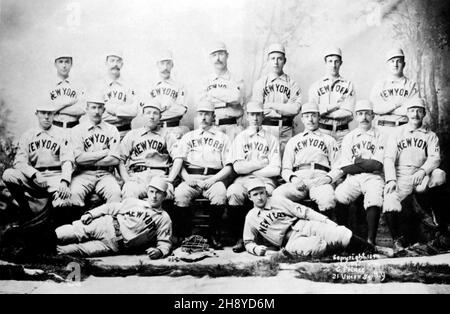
pixel 227 121
pixel 311 166
pixel 277 122
pixel 203 171
pixel 67 125
pixel 170 123
pixel 390 123
pixel 143 168
pixel 96 168
pixel 119 236
pixel 330 127
pixel 54 168
pixel 125 127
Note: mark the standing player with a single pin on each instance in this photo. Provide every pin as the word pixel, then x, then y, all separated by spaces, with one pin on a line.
pixel 42 166
pixel 146 151
pixel 225 91
pixel 128 227
pixel 120 106
pixel 206 159
pixel 171 95
pixel 280 95
pixel 362 161
pixel 411 165
pixel 256 154
pixel 389 96
pixel 307 160
pixel 66 94
pixel 96 150
pixel 335 97
pixel 279 222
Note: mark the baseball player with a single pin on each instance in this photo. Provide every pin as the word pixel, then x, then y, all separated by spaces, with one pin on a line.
pixel 256 154
pixel 280 95
pixel 96 150
pixel 362 161
pixel 389 96
pixel 307 160
pixel 411 164
pixel 335 97
pixel 120 106
pixel 42 166
pixel 146 151
pixel 205 154
pixel 171 95
pixel 131 226
pixel 281 223
pixel 66 94
pixel 225 91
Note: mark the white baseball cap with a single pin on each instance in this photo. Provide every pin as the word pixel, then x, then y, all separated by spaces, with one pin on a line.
pixel 158 183
pixel 45 106
pixel 332 51
pixel 205 105
pixel 393 53
pixel 416 102
pixel 218 46
pixel 95 97
pixel 151 102
pixel 309 107
pixel 115 53
pixel 363 105
pixel 63 54
pixel 254 184
pixel 277 47
pixel 165 55
pixel 255 106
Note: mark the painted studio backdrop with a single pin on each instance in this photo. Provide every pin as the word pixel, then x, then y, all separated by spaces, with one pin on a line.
pixel 32 31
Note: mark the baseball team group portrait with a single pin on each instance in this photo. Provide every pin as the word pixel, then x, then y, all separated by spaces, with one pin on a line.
pixel 298 130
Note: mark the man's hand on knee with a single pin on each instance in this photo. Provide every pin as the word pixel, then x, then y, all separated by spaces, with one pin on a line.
pixel 154 253
pixel 86 219
pixel 260 250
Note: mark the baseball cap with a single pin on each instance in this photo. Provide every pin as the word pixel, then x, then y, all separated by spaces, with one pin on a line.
pixel 151 102
pixel 333 51
pixel 416 102
pixel 254 184
pixel 63 54
pixel 116 53
pixel 158 183
pixel 277 47
pixel 95 97
pixel 255 106
pixel 363 105
pixel 165 55
pixel 396 52
pixel 217 46
pixel 309 107
pixel 205 105
pixel 45 106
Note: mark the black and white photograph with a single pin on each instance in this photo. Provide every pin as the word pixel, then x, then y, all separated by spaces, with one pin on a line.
pixel 222 152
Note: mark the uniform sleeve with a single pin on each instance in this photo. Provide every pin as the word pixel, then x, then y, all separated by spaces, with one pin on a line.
pixel 227 157
pixel 126 146
pixel 274 153
pixel 77 141
pixel 348 103
pixel 296 95
pixel 380 148
pixel 182 97
pixel 182 148
pixel 106 209
pixel 238 152
pixel 297 210
pixel 346 157
pixel 250 235
pixel 313 97
pixel 66 152
pixel 163 235
pixel 114 149
pixel 390 157
pixel 434 154
pixel 289 155
pixel 258 91
pixel 22 159
pixel 332 152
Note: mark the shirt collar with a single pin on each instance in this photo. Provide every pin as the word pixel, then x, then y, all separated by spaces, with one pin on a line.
pixel 51 131
pixel 410 129
pixel 226 75
pixel 119 81
pixel 212 130
pixel 158 210
pixel 169 81
pixel 327 78
pixel 400 79
pixel 272 77
pixel 370 132
pixel 60 81
pixel 155 131
pixel 316 132
pixel 90 125
pixel 253 132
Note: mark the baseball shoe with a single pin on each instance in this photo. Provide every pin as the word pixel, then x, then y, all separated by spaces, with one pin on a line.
pixel 388 252
pixel 239 246
pixel 398 247
pixel 215 243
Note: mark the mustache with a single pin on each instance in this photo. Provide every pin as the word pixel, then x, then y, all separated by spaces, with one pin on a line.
pixel 115 68
pixel 218 62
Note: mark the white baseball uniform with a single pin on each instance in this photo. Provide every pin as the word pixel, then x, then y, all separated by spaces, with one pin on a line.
pixel 309 155
pixel 365 145
pixel 87 137
pixel 250 145
pixel 301 230
pixel 333 95
pixel 147 154
pixel 44 152
pixel 282 90
pixel 223 90
pixel 410 150
pixel 131 225
pixel 205 153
